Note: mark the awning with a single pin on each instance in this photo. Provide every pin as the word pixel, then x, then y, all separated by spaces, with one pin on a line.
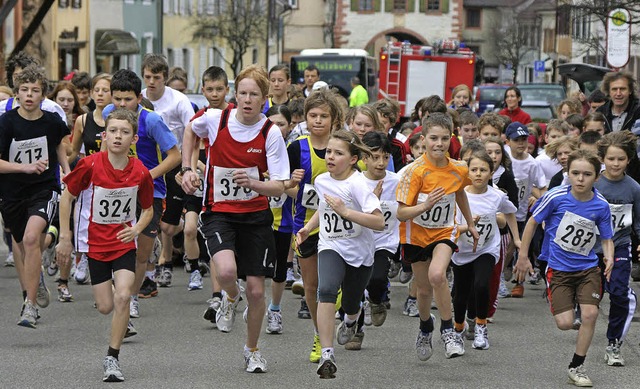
pixel 116 42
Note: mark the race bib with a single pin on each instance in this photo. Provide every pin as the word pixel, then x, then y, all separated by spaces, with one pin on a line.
pixel 28 151
pixel 440 216
pixel 114 206
pixel 576 234
pixel 225 189
pixel 277 202
pixel 486 227
pixel 522 188
pixel 333 226
pixel 310 198
pixel 390 211
pixel 199 189
pixel 620 216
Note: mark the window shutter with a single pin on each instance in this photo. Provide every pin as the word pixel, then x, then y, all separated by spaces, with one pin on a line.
pixel 444 6
pixel 411 5
pixel 423 6
pixel 388 6
pixel 355 4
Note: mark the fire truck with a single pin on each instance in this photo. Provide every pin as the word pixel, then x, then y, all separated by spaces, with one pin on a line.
pixel 411 72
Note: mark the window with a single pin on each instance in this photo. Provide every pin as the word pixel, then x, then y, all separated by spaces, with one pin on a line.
pixel 293 4
pixel 365 5
pixel 147 42
pixel 399 5
pixel 549 36
pixel 63 3
pixel 581 25
pixel 474 17
pixel 433 5
pixel 474 48
pixel 77 4
pixel 563 19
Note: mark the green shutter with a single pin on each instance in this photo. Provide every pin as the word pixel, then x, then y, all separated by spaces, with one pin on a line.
pixel 411 5
pixel 388 5
pixel 423 6
pixel 354 5
pixel 377 6
pixel 444 6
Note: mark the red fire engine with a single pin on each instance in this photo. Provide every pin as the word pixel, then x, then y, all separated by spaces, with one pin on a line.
pixel 411 72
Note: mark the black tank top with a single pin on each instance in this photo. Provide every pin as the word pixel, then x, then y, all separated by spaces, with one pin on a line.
pixel 91 135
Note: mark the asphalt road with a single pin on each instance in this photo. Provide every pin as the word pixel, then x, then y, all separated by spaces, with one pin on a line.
pixel 176 348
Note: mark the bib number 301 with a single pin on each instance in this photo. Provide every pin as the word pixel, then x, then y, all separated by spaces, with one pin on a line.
pixel 575 234
pixel 440 215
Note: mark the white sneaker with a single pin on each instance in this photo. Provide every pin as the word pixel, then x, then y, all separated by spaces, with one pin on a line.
pixel 134 307
pixel 274 322
pixel 82 270
pixel 411 308
pixel 254 362
pixel 578 376
pixel 44 296
pixel 226 315
pixel 612 355
pixel 195 280
pixel 366 308
pixel 453 343
pixel 112 372
pixel 9 261
pixel 345 333
pixel 480 339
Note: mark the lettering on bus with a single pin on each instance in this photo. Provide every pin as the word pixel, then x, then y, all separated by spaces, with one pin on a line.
pixel 326 66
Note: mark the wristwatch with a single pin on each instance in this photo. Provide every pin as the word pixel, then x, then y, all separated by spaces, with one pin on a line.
pixel 185 169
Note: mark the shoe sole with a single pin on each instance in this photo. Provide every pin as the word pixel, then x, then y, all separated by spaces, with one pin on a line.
pixel 146 296
pixel 297 290
pixel 112 378
pixel 327 370
pixel 570 381
pixel 129 334
pixel 192 289
pixel 454 355
pixel 164 285
pixel 304 316
pixel 134 316
pixel 615 363
pixel 26 324
pixel 274 332
pixel 65 300
pixel 256 370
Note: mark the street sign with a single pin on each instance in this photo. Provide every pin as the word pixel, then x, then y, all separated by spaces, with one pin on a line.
pixel 538 66
pixel 618 37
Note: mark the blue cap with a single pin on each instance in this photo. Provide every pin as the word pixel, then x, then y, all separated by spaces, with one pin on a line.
pixel 516 130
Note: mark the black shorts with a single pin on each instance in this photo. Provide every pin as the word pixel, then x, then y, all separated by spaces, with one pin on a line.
pixel 414 254
pixel 101 271
pixel 248 235
pixel 193 203
pixel 154 225
pixel 16 213
pixel 309 247
pixel 175 199
pixel 283 245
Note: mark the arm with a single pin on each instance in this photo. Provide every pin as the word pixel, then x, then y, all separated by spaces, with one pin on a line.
pixel 304 232
pixel 463 204
pixel 513 227
pixel 523 266
pixel 64 247
pixel 61 150
pixel 265 188
pixel 129 233
pixel 373 220
pixel 189 144
pixel 406 212
pixel 172 160
pixel 34 168
pixel 608 251
pixel 76 143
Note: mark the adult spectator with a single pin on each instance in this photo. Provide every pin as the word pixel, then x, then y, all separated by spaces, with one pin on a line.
pixel 622 109
pixel 358 94
pixel 596 99
pixel 512 103
pixel 311 76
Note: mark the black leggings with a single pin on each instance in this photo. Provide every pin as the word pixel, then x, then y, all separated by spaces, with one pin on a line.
pixel 379 277
pixel 334 272
pixel 472 277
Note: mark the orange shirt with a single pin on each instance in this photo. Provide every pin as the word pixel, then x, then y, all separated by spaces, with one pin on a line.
pixel 420 179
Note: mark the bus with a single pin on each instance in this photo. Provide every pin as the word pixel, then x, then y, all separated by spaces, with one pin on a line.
pixel 337 66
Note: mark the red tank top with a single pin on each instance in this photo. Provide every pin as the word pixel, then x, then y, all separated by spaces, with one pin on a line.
pixel 226 155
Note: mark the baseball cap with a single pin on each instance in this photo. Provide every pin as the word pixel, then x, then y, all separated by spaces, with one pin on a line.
pixel 319 85
pixel 516 130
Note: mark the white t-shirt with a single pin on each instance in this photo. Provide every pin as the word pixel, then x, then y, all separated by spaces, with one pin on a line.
pixel 528 174
pixel 354 243
pixel 47 105
pixel 206 126
pixel 175 109
pixel 389 238
pixel 550 167
pixel 485 205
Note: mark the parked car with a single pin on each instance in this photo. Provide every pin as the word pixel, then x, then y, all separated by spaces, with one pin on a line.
pixel 488 97
pixel 551 93
pixel 540 111
pixel 588 77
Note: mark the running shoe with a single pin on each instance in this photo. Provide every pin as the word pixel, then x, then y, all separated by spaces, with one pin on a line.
pixel 291 278
pixel 29 315
pixel 82 270
pixel 204 267
pixel 9 261
pixel 245 314
pixel 453 343
pixel 356 342
pixel 195 280
pixel 254 362
pixel 156 251
pixel 405 276
pixel 578 376
pixel 112 372
pixel 226 315
pixel 345 333
pixel 517 291
pixel 470 327
pixel 316 350
pixel 303 312
pixel 480 339
pixel 165 277
pixel 49 253
pixel 503 292
pixel 298 287
pixel 214 306
pixel 64 295
pixel 52 269
pixel 424 347
pixel 327 365
pixel 131 331
pixel 274 322
pixel 44 296
pixel 534 279
pixel 411 307
pixel 134 307
pixel 148 289
pixel 187 264
pixel 612 354
pixel 394 269
pixel 378 314
pixel 366 308
pixel 577 321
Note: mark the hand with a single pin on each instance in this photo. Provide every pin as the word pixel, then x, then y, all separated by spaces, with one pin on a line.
pixel 179 178
pixel 433 198
pixel 190 182
pixel 301 236
pixel 378 189
pixel 517 243
pixel 127 234
pixel 241 178
pixel 37 167
pixel 474 233
pixel 522 267
pixel 337 205
pixel 608 267
pixel 296 176
pixel 532 200
pixel 63 252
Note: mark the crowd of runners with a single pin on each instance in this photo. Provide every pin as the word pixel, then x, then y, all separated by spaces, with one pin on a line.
pixel 107 183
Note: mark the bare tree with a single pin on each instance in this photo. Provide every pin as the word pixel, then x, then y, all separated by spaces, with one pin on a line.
pixel 239 23
pixel 513 41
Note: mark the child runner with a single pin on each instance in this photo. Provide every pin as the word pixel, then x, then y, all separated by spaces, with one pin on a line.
pixel 622 192
pixel 427 194
pixel 472 268
pixel 348 211
pixel 31 151
pixel 571 213
pixel 115 182
pixel 365 119
pixel 468 126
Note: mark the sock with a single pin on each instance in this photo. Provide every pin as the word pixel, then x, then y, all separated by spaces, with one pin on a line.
pixel 63 282
pixel 135 297
pixel 24 295
pixel 274 307
pixel 194 264
pixel 445 325
pixel 482 322
pixel 426 326
pixel 168 265
pixel 327 350
pixel 250 350
pixel 349 322
pixel 150 275
pixel 577 360
pixel 459 327
pixel 112 352
pixel 289 265
pixel 216 294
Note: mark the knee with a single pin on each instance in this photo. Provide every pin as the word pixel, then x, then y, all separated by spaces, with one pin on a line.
pixel 255 293
pixel 104 307
pixel 564 324
pixel 190 232
pixel 226 274
pixel 121 298
pixel 438 278
pixel 589 313
pixel 327 294
pixel 31 240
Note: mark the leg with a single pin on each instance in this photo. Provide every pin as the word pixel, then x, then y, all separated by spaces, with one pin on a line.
pixel 585 333
pixel 483 269
pixel 623 299
pixel 145 246
pixel 424 291
pixel 255 301
pixel 191 248
pixel 330 275
pixel 168 231
pixel 32 247
pixel 226 272
pixel 309 268
pixel 463 280
pixel 438 278
pixel 378 282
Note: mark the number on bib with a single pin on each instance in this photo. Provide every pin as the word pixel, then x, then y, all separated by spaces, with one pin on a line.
pixel 225 188
pixel 620 216
pixel 310 198
pixel 28 151
pixel 199 189
pixel 277 202
pixel 576 234
pixel 114 206
pixel 334 226
pixel 522 188
pixel 389 211
pixel 486 227
pixel 440 216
